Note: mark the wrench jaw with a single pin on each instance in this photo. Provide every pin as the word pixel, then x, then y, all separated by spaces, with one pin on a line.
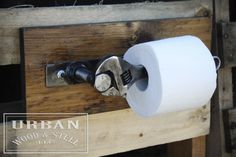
pixel 113 66
pixel 112 76
pixel 124 75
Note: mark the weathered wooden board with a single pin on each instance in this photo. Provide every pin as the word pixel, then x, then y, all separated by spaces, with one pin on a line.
pixel 120 131
pixel 56 44
pixel 195 147
pixel 223 97
pixel 229 117
pixel 228 40
pixel 12 19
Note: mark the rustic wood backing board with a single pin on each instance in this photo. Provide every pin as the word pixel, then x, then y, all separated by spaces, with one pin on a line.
pixel 42 45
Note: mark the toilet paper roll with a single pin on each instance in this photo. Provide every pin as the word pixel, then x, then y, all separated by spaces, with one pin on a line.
pixel 181 75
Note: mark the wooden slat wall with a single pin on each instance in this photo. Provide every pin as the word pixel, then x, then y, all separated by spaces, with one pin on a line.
pixel 13 19
pixel 223 98
pixel 56 44
pixel 120 131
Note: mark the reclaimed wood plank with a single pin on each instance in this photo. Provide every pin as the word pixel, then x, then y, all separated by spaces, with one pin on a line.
pixel 13 19
pixel 222 98
pixel 123 130
pixel 195 147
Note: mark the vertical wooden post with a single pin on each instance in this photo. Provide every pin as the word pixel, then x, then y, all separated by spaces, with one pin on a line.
pixel 199 146
pixel 195 147
pixel 223 98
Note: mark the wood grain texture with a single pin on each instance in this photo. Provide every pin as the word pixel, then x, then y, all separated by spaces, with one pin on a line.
pixel 77 42
pixel 13 19
pixel 223 95
pixel 225 91
pixel 199 146
pixel 195 147
pixel 123 130
pixel 227 43
pixel 231 129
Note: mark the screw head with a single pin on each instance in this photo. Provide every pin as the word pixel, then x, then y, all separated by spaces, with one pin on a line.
pixel 60 74
pixel 226 36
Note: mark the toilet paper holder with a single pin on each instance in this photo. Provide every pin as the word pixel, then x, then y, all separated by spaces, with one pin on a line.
pixel 110 75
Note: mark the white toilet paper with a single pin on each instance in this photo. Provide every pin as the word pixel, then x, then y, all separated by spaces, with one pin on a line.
pixel 181 75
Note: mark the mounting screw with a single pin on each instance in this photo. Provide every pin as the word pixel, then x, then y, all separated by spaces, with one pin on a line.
pixel 226 36
pixel 60 74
